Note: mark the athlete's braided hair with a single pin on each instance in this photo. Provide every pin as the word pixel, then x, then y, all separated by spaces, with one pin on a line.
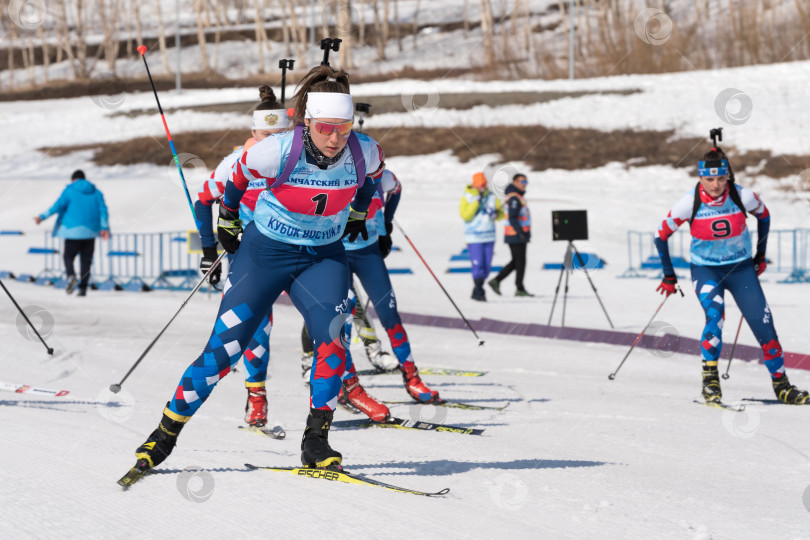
pixel 319 79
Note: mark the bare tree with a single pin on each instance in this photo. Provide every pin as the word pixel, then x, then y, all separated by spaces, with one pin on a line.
pixel 396 23
pixel 345 33
pixel 486 32
pixel 298 30
pixel 466 20
pixel 386 28
pixel 415 25
pixel 198 12
pixel 46 60
pixel 76 53
pixel 261 35
pixel 361 30
pixel 378 31
pixel 164 58
pixel 12 35
pixel 110 43
pixel 285 29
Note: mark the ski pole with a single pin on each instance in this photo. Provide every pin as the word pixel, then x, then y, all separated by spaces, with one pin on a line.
pixel 142 50
pixel 733 346
pixel 480 341
pixel 49 349
pixel 638 338
pixel 115 388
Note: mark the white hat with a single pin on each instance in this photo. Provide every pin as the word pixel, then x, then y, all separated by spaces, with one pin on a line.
pixel 271 119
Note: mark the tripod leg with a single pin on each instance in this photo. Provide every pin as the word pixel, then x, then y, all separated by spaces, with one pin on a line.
pixel 556 291
pixel 582 265
pixel 565 296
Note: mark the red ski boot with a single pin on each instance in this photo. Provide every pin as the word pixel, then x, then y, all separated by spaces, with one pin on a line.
pixel 358 397
pixel 414 385
pixel 256 406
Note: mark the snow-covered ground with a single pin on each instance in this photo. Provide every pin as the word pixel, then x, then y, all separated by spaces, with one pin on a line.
pixel 574 455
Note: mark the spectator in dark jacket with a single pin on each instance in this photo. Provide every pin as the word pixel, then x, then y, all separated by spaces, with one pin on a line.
pixel 516 235
pixel 81 217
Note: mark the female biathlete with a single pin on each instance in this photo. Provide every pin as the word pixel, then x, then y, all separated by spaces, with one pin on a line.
pixel 325 176
pixel 366 262
pixel 269 118
pixel 721 260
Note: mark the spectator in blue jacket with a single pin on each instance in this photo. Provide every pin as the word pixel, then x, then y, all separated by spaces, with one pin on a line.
pixel 82 216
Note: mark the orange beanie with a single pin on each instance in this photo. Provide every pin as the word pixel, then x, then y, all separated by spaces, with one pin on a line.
pixel 479 180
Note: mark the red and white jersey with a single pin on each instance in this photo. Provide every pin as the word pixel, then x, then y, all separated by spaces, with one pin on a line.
pixel 719 232
pixel 312 206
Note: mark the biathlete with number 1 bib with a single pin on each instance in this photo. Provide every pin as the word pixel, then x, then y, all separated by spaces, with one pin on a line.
pixel 325 177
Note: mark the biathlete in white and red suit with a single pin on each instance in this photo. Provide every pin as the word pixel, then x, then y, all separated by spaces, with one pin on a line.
pixel 721 259
pixel 366 262
pixel 269 118
pixel 325 176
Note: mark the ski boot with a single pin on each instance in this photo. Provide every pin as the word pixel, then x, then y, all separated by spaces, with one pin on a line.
pixel 256 406
pixel 379 358
pixel 71 284
pixel 161 442
pixel 711 386
pixel 496 285
pixel 315 449
pixel 414 385
pixel 343 401
pixel 356 395
pixel 478 293
pixel 524 293
pixel 787 393
pixel 306 366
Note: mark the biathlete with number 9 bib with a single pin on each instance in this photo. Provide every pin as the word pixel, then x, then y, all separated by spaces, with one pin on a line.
pixel 324 178
pixel 721 260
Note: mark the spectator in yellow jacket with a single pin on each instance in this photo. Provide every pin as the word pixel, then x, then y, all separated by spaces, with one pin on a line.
pixel 480 209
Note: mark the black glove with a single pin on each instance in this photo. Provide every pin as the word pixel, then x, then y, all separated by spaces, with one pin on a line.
pixel 209 256
pixel 760 263
pixel 385 242
pixel 229 227
pixel 356 225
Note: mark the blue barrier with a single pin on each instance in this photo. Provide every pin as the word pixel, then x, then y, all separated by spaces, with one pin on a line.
pixel 592 262
pixel 467 270
pixel 131 261
pixel 16 233
pixel 400 271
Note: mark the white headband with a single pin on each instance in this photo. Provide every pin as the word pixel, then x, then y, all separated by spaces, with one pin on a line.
pixel 329 105
pixel 270 119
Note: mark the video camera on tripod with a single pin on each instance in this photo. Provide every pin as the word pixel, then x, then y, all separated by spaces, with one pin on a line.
pixel 570 225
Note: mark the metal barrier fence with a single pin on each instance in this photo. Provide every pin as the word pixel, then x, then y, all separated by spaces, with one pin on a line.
pixel 131 261
pixel 787 253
